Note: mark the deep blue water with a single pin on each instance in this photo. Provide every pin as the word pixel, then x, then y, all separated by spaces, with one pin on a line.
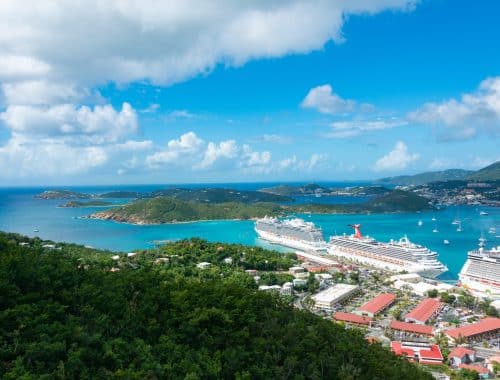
pixel 21 212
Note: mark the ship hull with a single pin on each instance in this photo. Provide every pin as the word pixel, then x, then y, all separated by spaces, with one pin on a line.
pixel 287 242
pixel 386 264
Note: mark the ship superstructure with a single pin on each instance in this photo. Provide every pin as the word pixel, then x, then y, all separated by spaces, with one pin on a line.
pixel 295 233
pixel 396 255
pixel 481 272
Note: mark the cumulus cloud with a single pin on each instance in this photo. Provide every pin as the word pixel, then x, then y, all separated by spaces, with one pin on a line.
pixel 225 149
pixel 324 100
pixel 187 146
pixel 397 159
pixel 164 42
pixel 473 113
pixel 350 128
pixel 293 163
pixel 276 139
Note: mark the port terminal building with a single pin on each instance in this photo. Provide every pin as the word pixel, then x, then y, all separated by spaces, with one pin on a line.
pixel 376 305
pixel 326 299
pixel 425 310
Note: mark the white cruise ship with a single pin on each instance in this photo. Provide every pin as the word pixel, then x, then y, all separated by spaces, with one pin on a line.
pixel 294 233
pixel 400 255
pixel 481 272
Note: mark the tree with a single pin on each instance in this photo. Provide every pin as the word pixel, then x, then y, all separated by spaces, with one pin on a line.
pixel 432 293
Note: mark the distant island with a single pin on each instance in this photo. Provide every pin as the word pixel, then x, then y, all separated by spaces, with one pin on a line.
pixel 94 203
pixel 170 210
pixel 289 190
pixel 61 194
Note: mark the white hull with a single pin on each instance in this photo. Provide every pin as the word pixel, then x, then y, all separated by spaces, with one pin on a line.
pixel 392 265
pixel 287 242
pixel 480 289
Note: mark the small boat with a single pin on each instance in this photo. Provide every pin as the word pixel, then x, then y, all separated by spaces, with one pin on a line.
pixel 433 219
pixel 482 213
pixel 456 221
pixel 420 223
pixel 446 242
pixel 492 230
pixel 459 228
pixel 36 230
pixel 435 229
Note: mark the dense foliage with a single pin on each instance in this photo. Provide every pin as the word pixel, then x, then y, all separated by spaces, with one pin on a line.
pixel 489 173
pixel 219 195
pixel 95 203
pixel 72 312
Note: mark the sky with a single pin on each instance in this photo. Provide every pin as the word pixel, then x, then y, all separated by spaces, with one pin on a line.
pixel 131 92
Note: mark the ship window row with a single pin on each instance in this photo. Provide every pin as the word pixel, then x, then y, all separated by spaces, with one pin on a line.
pixel 484 269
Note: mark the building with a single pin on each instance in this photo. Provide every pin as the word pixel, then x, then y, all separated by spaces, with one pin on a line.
pixel 462 355
pixel 412 328
pixel 203 265
pixel 287 289
pixel 228 260
pixel 418 352
pixel 326 299
pixel 483 372
pixel 376 305
pixel 299 283
pixel 424 311
pixel 353 319
pixel 294 270
pixel 487 327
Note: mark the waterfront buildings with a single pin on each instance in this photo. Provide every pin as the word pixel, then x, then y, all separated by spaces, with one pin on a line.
pixel 424 311
pixel 419 352
pixel 326 299
pixel 487 327
pixel 376 305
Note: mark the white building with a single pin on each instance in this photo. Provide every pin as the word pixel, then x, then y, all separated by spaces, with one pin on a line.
pixel 298 283
pixel 326 299
pixel 287 288
pixel 203 265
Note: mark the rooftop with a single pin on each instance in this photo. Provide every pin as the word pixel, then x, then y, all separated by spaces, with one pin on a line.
pixel 411 327
pixel 334 292
pixel 352 318
pixel 460 352
pixel 484 326
pixel 476 368
pixel 424 310
pixel 378 303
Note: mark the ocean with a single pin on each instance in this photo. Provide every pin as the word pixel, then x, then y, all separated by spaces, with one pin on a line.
pixel 20 212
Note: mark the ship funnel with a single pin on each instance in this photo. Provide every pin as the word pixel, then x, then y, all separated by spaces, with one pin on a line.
pixel 357 231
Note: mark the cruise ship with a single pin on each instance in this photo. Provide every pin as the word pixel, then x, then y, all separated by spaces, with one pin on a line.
pixel 481 272
pixel 397 255
pixel 294 233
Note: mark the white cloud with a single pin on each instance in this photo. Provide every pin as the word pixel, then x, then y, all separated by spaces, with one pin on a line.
pixel 441 164
pixel 276 139
pixel 324 100
pixel 100 124
pixel 397 159
pixel 41 92
pixel 343 129
pixel 292 163
pixel 226 149
pixel 473 113
pixel 187 146
pixel 164 42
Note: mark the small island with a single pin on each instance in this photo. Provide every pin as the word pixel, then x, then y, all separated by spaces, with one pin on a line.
pixel 162 210
pixel 62 194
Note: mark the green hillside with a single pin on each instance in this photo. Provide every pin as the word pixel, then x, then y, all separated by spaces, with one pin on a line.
pixel 167 210
pixel 288 190
pixel 66 315
pixel 427 177
pixel 219 195
pixel 489 173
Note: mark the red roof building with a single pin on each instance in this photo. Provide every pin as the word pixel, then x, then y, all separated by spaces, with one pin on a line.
pixel 421 352
pixel 461 355
pixel 412 328
pixel 424 311
pixel 485 326
pixel 477 368
pixel 352 318
pixel 376 305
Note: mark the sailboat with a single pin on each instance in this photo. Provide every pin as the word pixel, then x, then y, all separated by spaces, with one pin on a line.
pixel 482 213
pixel 433 219
pixel 435 229
pixel 446 242
pixel 420 223
pixel 459 228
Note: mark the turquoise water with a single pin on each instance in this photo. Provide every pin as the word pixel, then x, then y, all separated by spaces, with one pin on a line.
pixel 20 212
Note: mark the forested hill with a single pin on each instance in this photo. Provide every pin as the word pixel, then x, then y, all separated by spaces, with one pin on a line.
pixel 69 312
pixel 489 173
pixel 427 177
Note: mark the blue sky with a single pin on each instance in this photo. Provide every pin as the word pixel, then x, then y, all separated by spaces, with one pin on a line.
pixel 272 91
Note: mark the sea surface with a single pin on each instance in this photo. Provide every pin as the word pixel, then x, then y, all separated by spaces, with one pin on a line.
pixel 20 212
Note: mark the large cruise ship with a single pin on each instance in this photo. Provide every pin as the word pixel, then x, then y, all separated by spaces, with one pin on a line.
pixel 294 233
pixel 481 272
pixel 400 255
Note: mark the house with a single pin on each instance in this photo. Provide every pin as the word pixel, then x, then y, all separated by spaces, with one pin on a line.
pixel 418 352
pixel 486 327
pixel 131 254
pixel 412 328
pixel 376 305
pixel 483 372
pixel 228 260
pixel 294 270
pixel 462 355
pixel 353 319
pixel 425 310
pixel 287 289
pixel 299 283
pixel 203 265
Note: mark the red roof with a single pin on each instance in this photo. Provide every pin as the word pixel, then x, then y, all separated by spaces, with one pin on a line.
pixel 411 327
pixel 378 303
pixel 433 353
pixel 476 368
pixel 460 352
pixel 352 318
pixel 424 310
pixel 399 350
pixel 486 325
